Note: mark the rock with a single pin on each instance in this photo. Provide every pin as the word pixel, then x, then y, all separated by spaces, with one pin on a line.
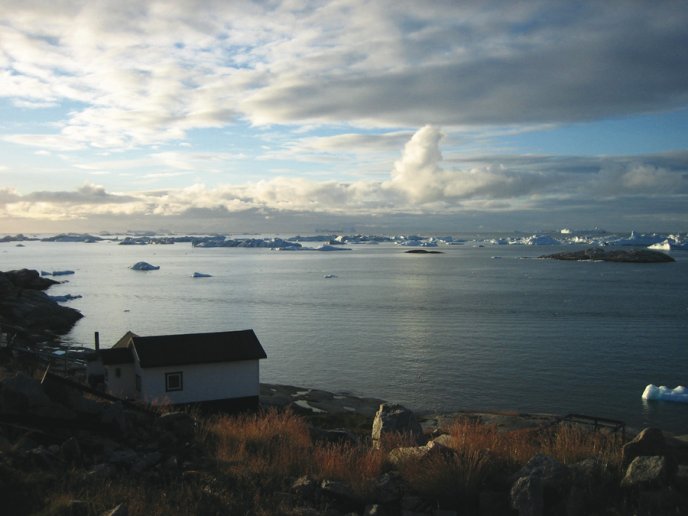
pixel 393 418
pixel 305 488
pixel 493 503
pixel 648 442
pixel 542 479
pixel 126 457
pixel 647 472
pixel 144 266
pixel 114 415
pixel 666 501
pixel 338 491
pixel 333 436
pixel 681 479
pixel 24 305
pixel 527 496
pixel 374 510
pixel 180 424
pixel 412 505
pixel 120 510
pixel 389 487
pixel 70 450
pixel 147 461
pixel 21 394
pixel 613 255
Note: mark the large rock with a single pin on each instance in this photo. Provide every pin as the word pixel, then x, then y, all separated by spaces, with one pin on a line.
pixel 22 395
pixel 392 418
pixel 540 486
pixel 23 304
pixel 647 472
pixel 648 442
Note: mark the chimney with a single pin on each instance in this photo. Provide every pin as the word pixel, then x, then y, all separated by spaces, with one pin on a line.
pixel 97 337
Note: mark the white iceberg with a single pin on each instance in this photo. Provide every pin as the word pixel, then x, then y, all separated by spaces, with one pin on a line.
pixel 144 266
pixel 679 394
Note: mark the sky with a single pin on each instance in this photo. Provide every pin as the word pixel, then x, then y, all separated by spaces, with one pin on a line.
pixel 345 116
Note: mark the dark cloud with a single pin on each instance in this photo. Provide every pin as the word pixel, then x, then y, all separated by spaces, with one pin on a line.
pixel 89 194
pixel 608 60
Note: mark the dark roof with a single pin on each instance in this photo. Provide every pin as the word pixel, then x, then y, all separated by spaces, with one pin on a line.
pixel 114 356
pixel 197 348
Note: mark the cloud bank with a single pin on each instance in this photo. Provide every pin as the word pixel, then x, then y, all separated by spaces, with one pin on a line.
pixel 420 182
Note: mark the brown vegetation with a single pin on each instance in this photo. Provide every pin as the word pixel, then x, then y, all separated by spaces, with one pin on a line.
pixel 246 464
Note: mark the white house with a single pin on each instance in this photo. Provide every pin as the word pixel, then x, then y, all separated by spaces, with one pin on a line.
pixel 213 369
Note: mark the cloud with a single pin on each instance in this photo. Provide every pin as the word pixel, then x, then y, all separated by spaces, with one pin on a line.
pixel 419 182
pixel 145 73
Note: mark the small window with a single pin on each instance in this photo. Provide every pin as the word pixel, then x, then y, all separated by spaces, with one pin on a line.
pixel 118 372
pixel 138 383
pixel 174 381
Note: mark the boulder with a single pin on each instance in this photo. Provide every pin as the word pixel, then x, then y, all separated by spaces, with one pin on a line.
pixel 647 472
pixel 21 394
pixel 648 442
pixel 180 424
pixel 24 305
pixel 389 487
pixel 541 485
pixel 393 418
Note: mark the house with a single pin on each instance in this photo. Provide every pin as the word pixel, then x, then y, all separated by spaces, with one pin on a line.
pixel 217 370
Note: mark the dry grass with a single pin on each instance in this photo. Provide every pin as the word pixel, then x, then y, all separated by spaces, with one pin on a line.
pixel 255 457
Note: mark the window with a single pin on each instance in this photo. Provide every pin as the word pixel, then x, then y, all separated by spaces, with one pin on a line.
pixel 174 381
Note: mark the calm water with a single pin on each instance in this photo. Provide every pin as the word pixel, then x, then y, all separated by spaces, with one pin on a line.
pixel 473 328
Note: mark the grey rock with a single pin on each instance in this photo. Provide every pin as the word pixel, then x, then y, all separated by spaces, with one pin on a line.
pixel 305 487
pixel 527 496
pixel 389 487
pixel 647 472
pixel 21 394
pixel 71 450
pixel 338 490
pixel 393 418
pixel 126 457
pixel 374 510
pixel 541 478
pixel 120 510
pixel 147 461
pixel 101 471
pixel 180 424
pixel 681 478
pixel 648 442
pixel 493 503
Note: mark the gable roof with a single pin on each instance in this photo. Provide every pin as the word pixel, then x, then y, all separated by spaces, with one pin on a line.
pixel 197 348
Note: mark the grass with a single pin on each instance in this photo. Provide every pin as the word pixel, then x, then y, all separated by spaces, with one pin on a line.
pixel 251 461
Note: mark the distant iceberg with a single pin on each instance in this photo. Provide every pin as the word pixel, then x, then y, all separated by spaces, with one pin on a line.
pixel 144 266
pixel 56 273
pixel 65 298
pixel 679 394
pixel 638 240
pixel 201 275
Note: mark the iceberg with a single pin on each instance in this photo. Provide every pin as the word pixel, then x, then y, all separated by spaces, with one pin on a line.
pixel 56 273
pixel 663 393
pixel 201 275
pixel 144 266
pixel 65 298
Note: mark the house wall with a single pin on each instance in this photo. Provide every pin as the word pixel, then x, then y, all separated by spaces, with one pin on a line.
pixel 202 382
pixel 125 385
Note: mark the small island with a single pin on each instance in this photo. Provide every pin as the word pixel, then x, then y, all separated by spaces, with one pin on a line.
pixel 613 255
pixel 422 251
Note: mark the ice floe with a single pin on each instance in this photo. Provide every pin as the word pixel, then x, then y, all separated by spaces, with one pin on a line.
pixel 679 394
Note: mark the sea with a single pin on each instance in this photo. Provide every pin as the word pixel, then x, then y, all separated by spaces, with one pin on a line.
pixel 490 328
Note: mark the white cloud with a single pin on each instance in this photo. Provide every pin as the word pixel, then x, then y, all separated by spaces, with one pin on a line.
pixel 419 182
pixel 143 73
